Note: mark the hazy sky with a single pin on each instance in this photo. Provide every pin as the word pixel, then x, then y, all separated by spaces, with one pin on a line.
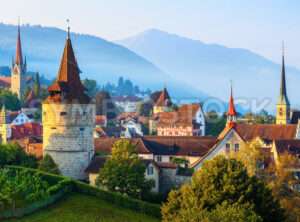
pixel 258 25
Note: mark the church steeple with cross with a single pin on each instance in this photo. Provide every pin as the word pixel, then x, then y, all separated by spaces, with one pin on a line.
pixel 283 103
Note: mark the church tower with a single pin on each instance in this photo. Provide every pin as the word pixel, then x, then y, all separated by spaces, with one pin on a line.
pixel 231 113
pixel 68 119
pixel 283 104
pixel 18 70
pixel 5 125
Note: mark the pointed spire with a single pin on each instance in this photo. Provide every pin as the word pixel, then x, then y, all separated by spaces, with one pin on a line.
pixel 283 99
pixel 68 21
pixel 19 59
pixel 231 109
pixel 164 98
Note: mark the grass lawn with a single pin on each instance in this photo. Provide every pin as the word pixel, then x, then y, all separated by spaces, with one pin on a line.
pixel 81 207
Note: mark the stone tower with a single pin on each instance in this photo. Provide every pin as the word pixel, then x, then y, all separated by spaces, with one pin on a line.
pixel 5 125
pixel 68 119
pixel 18 70
pixel 231 113
pixel 283 104
pixel 163 103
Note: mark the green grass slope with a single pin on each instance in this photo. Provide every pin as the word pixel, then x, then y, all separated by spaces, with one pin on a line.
pixel 82 207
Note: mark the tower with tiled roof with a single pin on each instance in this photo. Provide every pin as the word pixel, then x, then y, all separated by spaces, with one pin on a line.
pixel 68 119
pixel 163 103
pixel 231 113
pixel 18 70
pixel 5 125
pixel 283 103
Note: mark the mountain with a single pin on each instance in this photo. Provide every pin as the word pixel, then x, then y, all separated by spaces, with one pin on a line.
pixel 210 67
pixel 97 58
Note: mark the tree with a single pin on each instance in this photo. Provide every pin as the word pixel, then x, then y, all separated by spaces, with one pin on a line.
pixel 10 100
pixel 37 116
pixel 215 127
pixel 173 108
pixel 37 87
pixel 224 213
pixel 222 181
pixel 251 156
pixel 91 86
pixel 13 154
pixel 212 115
pixel 26 94
pixel 155 96
pixel 144 109
pixel 123 172
pixel 48 165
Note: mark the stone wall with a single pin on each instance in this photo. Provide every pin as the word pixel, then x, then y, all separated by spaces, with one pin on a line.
pixel 68 136
pixel 169 178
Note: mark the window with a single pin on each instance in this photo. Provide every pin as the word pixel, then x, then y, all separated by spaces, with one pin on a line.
pixel 236 146
pixel 17 120
pixel 150 170
pixel 22 120
pixel 158 158
pixel 227 145
pixel 63 113
pixel 170 159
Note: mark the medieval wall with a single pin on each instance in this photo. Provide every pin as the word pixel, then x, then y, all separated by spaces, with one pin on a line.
pixel 168 178
pixel 68 137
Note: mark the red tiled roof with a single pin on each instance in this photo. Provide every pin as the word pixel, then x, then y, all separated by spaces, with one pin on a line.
pixel 167 165
pixel 266 131
pixel 164 99
pixel 125 115
pixel 184 116
pixel 5 82
pixel 100 120
pixel 25 130
pixel 173 145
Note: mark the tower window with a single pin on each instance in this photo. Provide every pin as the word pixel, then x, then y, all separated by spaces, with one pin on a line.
pixel 63 113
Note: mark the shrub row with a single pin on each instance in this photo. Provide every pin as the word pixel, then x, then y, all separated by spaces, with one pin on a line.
pixel 118 199
pixel 60 182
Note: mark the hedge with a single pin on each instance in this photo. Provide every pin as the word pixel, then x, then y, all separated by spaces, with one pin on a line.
pixel 58 182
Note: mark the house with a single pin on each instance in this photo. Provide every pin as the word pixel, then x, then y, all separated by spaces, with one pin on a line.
pixel 153 120
pixel 163 103
pixel 189 121
pixel 31 105
pixel 133 128
pixel 21 119
pixel 100 120
pixel 152 171
pixel 291 146
pixel 236 134
pixel 25 130
pixel 108 132
pixel 123 117
pixel 164 149
pixel 33 145
pixel 126 103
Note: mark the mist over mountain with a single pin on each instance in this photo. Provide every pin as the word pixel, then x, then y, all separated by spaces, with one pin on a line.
pixel 210 67
pixel 98 59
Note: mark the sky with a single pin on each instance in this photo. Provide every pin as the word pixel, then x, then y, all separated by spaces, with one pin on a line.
pixel 257 25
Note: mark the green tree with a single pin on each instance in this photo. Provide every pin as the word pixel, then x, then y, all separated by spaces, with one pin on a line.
pixel 13 154
pixel 91 86
pixel 220 181
pixel 48 165
pixel 10 100
pixel 37 87
pixel 123 172
pixel 224 213
pixel 212 115
pixel 26 94
pixel 173 108
pixel 37 116
pixel 144 109
pixel 43 94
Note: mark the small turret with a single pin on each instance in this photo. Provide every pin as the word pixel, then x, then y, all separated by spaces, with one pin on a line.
pixel 231 113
